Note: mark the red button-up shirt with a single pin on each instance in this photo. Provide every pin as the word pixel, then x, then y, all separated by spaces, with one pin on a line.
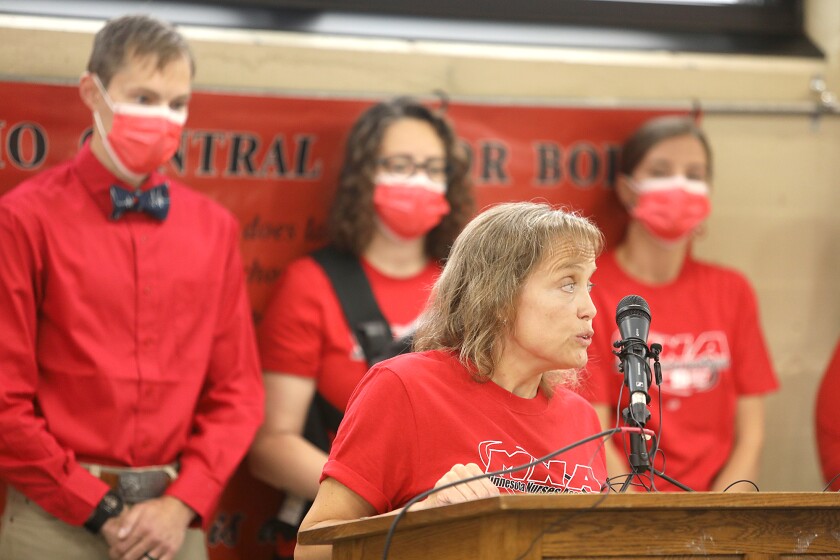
pixel 124 343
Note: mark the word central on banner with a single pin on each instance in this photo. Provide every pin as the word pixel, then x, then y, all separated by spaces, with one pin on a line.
pixel 235 154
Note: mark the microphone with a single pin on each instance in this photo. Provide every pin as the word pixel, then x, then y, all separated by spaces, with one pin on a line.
pixel 633 319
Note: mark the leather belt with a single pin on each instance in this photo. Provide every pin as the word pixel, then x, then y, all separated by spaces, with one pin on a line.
pixel 135 485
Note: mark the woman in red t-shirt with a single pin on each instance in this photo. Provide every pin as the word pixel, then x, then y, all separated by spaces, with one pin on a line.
pixel 403 196
pixel 709 409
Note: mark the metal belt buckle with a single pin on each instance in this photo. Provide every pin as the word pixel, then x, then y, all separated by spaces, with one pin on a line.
pixel 138 486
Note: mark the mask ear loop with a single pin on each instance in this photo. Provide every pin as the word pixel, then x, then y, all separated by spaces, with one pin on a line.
pixel 633 187
pixel 97 118
pixel 103 91
pixel 632 184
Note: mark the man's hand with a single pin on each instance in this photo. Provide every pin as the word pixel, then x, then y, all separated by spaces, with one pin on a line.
pixel 473 490
pixel 154 528
pixel 111 527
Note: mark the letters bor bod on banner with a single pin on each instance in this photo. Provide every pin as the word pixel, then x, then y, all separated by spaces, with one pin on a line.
pixel 274 162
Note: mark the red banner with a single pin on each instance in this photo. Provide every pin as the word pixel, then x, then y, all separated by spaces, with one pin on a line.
pixel 274 162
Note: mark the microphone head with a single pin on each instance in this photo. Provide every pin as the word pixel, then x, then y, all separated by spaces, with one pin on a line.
pixel 632 315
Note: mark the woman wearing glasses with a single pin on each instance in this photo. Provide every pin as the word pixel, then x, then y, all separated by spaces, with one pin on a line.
pixel 403 197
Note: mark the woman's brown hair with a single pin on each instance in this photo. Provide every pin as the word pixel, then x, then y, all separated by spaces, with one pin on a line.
pixel 653 132
pixel 351 220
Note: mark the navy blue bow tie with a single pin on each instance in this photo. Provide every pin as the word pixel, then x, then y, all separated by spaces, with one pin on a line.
pixel 154 202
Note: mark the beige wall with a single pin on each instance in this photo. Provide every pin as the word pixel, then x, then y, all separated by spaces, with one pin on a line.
pixel 775 197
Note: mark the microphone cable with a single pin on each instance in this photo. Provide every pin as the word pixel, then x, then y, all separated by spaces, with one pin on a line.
pixel 754 485
pixel 830 482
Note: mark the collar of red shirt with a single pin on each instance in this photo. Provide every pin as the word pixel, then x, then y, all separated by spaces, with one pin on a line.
pixel 98 180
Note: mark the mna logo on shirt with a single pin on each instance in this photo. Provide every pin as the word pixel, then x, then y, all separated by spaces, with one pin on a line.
pixel 549 477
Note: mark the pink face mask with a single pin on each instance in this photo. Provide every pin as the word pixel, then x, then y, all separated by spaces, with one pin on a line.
pixel 409 207
pixel 671 208
pixel 142 138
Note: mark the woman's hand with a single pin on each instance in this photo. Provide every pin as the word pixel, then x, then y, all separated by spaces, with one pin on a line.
pixel 473 490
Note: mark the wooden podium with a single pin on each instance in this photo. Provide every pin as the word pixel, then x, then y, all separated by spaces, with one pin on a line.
pixel 613 526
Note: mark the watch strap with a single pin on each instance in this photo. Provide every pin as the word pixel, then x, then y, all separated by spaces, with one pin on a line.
pixel 111 505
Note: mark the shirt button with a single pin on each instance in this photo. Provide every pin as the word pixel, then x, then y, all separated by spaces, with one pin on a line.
pixel 147 290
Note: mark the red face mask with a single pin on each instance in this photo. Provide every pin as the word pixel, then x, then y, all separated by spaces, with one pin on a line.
pixel 671 208
pixel 409 207
pixel 142 138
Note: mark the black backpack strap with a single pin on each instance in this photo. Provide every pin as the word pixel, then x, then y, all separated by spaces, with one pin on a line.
pixel 371 330
pixel 322 422
pixel 357 301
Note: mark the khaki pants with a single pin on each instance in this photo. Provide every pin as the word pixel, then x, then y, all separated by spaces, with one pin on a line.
pixel 27 532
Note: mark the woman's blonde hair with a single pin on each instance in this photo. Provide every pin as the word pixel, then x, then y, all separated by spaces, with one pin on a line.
pixel 474 300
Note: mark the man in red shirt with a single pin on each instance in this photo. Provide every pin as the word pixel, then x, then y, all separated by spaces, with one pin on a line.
pixel 129 379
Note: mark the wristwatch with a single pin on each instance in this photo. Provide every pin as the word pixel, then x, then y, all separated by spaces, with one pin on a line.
pixel 111 505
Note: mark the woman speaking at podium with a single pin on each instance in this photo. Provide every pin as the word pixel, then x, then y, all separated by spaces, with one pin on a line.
pixel 508 325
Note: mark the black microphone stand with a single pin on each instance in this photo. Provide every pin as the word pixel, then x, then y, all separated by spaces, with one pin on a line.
pixel 635 348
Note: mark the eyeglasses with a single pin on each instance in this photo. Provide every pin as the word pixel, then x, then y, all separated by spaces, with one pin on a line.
pixel 404 165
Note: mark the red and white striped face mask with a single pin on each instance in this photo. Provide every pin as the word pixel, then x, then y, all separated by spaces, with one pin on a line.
pixel 671 208
pixel 409 207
